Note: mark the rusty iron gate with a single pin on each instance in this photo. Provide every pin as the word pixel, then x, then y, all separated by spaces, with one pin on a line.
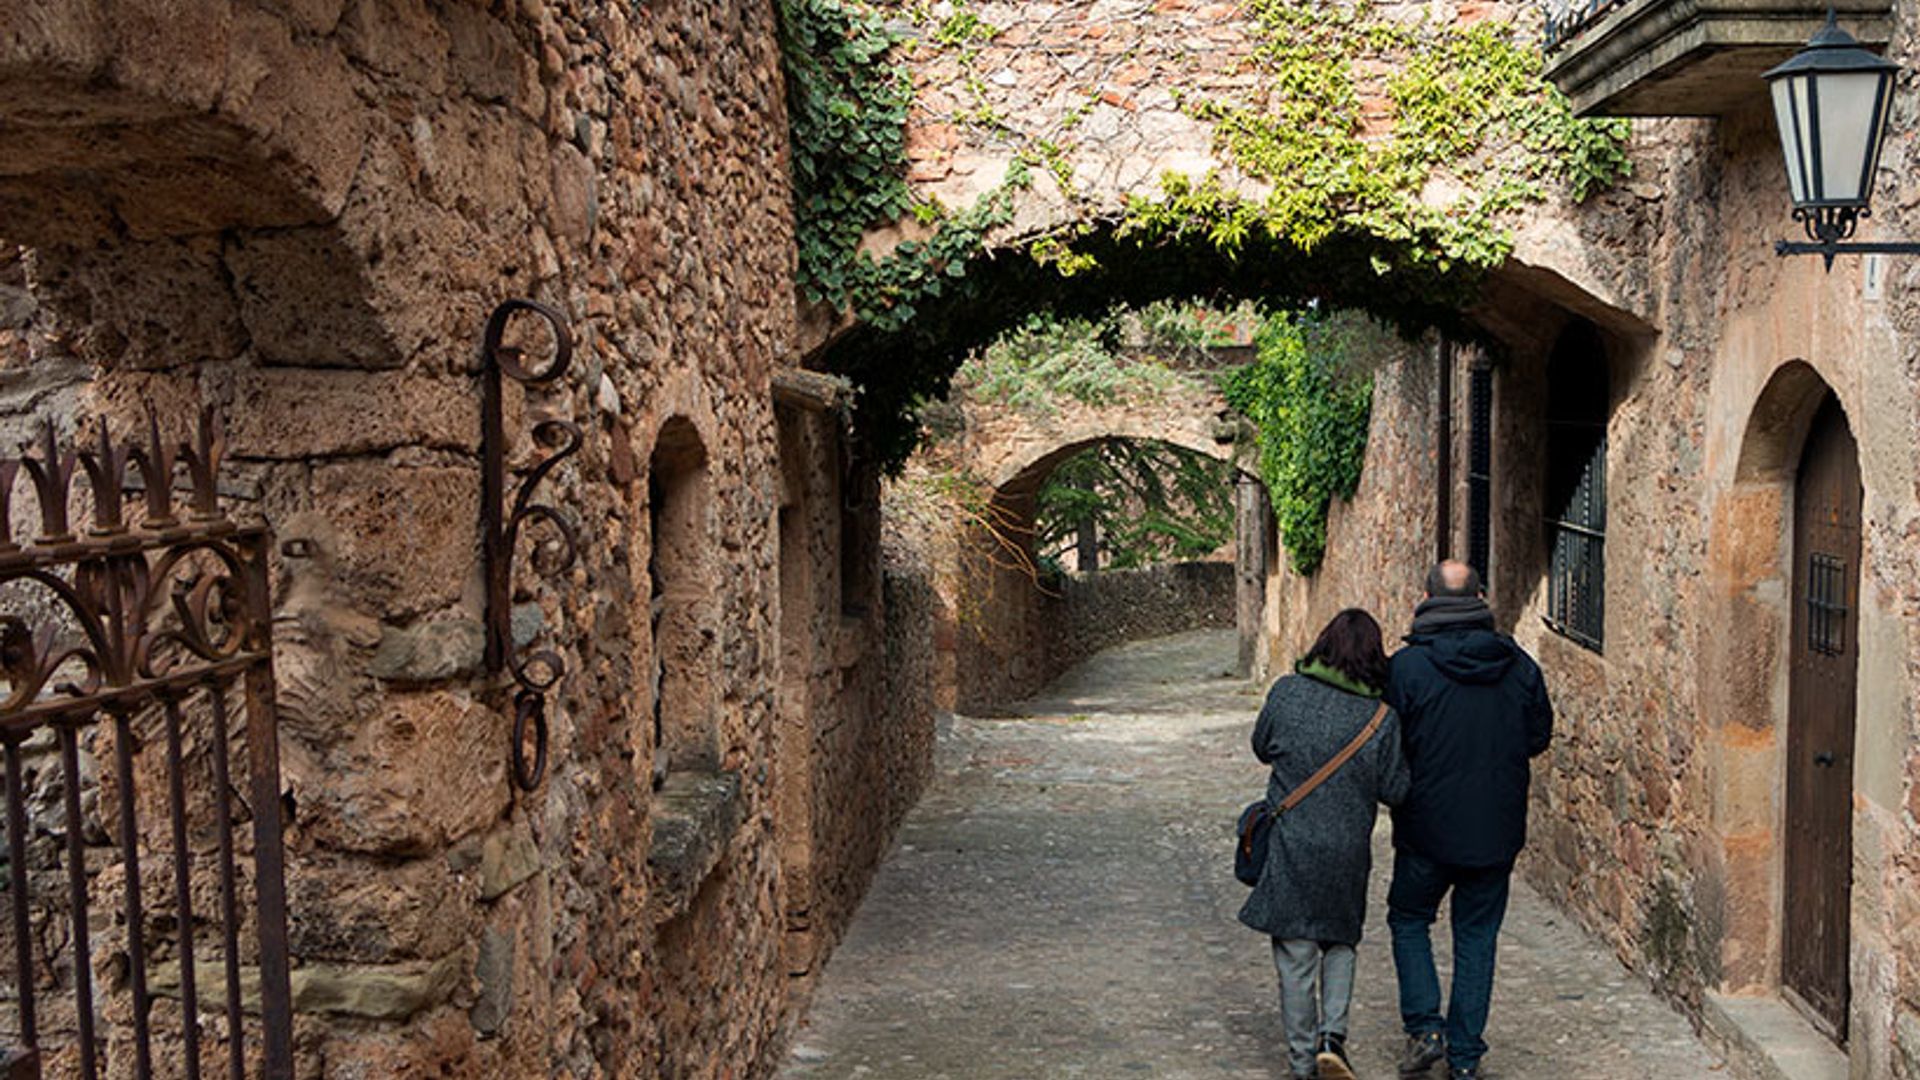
pixel 145 646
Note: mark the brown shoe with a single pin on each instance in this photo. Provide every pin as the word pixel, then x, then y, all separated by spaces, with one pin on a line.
pixel 1332 1058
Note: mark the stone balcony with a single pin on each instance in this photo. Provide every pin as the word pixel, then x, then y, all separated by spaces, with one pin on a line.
pixel 1686 57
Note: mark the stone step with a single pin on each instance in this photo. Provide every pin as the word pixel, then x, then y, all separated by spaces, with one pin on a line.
pixel 1767 1039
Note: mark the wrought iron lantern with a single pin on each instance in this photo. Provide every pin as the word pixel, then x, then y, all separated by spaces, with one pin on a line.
pixel 1831 101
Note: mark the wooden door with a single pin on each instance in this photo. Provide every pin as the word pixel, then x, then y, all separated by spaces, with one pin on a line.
pixel 1825 652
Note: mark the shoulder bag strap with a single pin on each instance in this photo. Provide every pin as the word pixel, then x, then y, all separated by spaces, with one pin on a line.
pixel 1305 789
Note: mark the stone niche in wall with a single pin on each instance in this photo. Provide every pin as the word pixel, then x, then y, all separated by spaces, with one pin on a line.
pixel 697 808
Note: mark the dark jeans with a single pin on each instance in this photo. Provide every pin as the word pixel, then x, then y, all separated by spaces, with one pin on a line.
pixel 1479 903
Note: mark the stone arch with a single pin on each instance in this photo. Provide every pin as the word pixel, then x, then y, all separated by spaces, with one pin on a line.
pixel 1008 643
pixel 1028 466
pixel 898 365
pixel 1517 311
pixel 1744 686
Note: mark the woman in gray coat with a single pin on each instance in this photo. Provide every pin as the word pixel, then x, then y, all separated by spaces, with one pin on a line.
pixel 1312 896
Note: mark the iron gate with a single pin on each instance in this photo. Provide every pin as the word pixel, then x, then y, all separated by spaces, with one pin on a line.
pixel 144 646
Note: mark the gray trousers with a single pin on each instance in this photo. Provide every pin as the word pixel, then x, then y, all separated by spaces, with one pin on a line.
pixel 1316 986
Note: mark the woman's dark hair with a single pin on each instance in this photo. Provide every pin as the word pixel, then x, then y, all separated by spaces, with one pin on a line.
pixel 1351 646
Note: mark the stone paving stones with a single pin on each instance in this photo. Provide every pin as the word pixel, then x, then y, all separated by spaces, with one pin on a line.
pixel 1060 905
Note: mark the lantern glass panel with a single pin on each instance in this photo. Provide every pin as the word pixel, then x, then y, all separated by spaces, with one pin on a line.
pixel 1851 108
pixel 1796 137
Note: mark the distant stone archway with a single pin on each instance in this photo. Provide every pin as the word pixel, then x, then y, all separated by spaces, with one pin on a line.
pixel 1016 454
pixel 1011 627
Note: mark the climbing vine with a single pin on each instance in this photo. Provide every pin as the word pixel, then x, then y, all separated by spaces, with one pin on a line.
pixel 847 101
pixel 1309 393
pixel 1145 502
pixel 1465 107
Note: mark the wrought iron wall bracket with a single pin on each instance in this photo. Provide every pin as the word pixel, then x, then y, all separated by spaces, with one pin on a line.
pixel 1830 232
pixel 538 671
pixel 1833 248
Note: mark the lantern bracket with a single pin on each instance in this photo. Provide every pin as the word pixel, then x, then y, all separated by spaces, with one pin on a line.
pixel 1829 249
pixel 1830 233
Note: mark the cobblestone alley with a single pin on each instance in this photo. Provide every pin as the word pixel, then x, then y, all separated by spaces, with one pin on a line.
pixel 1060 905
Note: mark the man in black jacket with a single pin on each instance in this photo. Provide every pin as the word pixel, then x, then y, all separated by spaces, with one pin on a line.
pixel 1473 711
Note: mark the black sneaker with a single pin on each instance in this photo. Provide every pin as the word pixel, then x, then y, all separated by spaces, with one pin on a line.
pixel 1423 1052
pixel 1332 1058
pixel 1465 1072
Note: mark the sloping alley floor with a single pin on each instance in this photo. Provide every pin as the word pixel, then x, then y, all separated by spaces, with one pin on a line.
pixel 1061 905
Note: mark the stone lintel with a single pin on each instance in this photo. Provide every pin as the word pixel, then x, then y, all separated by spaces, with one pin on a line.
pixel 371 991
pixel 812 390
pixel 1694 57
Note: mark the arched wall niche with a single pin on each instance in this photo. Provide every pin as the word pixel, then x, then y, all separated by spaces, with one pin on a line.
pixel 681 581
pixel 181 175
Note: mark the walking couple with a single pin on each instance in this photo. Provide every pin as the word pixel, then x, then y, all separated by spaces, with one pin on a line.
pixel 1461 710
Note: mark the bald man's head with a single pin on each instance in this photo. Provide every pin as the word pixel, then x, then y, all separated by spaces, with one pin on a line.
pixel 1453 578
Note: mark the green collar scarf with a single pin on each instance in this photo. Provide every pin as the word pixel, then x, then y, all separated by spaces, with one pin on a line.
pixel 1319 670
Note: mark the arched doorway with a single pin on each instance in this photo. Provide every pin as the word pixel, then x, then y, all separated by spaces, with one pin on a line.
pixel 1823 678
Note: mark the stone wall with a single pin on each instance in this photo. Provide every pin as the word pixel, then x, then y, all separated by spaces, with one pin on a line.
pixel 1380 542
pixel 1004 629
pixel 301 214
pixel 1100 610
pixel 1022 633
pixel 1659 813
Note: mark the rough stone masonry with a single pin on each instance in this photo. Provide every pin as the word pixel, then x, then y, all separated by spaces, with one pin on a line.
pixel 300 211
pixel 300 214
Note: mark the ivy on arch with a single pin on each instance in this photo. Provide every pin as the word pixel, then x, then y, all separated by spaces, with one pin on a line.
pixel 899 368
pixel 1343 225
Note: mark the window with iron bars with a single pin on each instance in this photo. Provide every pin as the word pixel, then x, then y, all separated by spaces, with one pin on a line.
pixel 1577 575
pixel 1827 604
pixel 1577 406
pixel 1480 471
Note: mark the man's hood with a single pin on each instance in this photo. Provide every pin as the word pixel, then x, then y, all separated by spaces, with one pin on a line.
pixel 1480 657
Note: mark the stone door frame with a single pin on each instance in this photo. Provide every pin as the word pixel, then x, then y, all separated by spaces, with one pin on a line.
pixel 1745 687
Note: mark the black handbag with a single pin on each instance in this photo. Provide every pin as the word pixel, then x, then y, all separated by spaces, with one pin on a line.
pixel 1256 821
pixel 1250 854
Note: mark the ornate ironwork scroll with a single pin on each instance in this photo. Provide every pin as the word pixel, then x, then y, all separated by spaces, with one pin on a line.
pixel 106 635
pixel 539 670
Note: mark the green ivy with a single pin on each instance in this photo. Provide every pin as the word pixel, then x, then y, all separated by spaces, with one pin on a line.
pixel 1468 105
pixel 964 30
pixel 1148 502
pixel 847 101
pixel 1309 395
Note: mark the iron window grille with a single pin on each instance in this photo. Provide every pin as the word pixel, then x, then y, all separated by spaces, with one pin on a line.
pixel 1480 470
pixel 1577 575
pixel 1579 397
pixel 1827 605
